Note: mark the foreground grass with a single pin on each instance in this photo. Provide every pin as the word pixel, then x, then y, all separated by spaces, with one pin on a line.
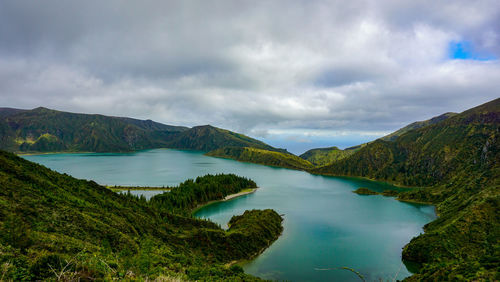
pixel 55 227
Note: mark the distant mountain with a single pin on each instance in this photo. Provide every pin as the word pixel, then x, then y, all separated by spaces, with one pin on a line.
pixel 458 159
pixel 325 156
pixel 55 227
pixel 208 138
pixel 261 156
pixel 45 130
pixel 418 124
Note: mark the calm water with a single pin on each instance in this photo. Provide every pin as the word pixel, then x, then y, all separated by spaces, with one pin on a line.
pixel 326 226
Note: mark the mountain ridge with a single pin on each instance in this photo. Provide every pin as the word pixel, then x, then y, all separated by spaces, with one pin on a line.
pixel 457 162
pixel 46 130
pixel 416 125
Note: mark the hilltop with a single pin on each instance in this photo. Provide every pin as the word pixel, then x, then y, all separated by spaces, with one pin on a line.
pixel 418 124
pixel 208 138
pixel 46 130
pixel 326 156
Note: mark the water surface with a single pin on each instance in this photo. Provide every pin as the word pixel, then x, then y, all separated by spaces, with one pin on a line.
pixel 326 226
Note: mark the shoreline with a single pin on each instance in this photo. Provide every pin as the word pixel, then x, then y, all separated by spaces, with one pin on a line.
pixel 239 194
pixel 227 198
pixel 137 188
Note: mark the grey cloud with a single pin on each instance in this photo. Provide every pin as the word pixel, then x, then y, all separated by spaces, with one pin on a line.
pixel 250 66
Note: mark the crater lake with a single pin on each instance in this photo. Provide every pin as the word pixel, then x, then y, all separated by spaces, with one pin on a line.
pixel 327 228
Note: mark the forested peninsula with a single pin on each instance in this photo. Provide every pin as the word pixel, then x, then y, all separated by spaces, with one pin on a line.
pixel 56 227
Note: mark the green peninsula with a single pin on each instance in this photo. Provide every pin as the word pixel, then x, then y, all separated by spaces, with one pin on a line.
pixel 56 227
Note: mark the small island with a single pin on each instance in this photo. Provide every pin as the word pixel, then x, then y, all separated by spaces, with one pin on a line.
pixel 365 191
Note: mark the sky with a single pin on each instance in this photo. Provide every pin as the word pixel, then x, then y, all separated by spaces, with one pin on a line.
pixel 297 74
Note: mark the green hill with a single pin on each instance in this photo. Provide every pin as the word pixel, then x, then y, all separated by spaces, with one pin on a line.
pixel 326 156
pixel 45 130
pixel 260 156
pixel 418 124
pixel 55 227
pixel 208 138
pixel 458 161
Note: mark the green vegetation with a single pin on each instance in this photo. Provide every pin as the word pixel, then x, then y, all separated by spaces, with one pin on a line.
pixel 48 218
pixel 116 188
pixel 418 124
pixel 458 161
pixel 208 138
pixel 56 227
pixel 192 193
pixel 260 156
pixel 365 191
pixel 326 156
pixel 45 130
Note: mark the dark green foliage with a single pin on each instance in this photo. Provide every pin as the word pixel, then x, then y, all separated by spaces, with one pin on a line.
pixel 54 226
pixel 45 130
pixel 192 193
pixel 365 191
pixel 208 138
pixel 418 124
pixel 261 156
pixel 246 233
pixel 326 156
pixel 457 159
pixel 390 193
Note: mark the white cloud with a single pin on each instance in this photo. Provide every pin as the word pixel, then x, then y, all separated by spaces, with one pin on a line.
pixel 357 67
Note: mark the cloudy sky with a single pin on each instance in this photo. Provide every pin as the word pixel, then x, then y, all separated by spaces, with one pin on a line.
pixel 297 74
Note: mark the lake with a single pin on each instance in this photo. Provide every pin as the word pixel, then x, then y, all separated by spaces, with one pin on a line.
pixel 326 226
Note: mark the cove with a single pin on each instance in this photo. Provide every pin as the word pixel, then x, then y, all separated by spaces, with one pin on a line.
pixel 326 226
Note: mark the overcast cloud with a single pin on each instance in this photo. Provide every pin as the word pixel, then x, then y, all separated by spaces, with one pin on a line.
pixel 300 71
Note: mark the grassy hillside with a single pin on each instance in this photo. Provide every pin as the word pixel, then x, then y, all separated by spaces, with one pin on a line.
pixel 326 156
pixel 45 130
pixel 208 138
pixel 260 156
pixel 457 160
pixel 418 124
pixel 56 227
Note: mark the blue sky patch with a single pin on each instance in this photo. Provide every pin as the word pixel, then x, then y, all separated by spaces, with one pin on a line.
pixel 464 50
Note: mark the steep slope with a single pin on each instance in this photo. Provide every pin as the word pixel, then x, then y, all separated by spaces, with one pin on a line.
pixel 56 227
pixel 208 138
pixel 44 130
pixel 458 160
pixel 325 156
pixel 261 156
pixel 418 124
pixel 429 155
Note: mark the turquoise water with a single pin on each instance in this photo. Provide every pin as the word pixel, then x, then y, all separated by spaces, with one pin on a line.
pixel 326 226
